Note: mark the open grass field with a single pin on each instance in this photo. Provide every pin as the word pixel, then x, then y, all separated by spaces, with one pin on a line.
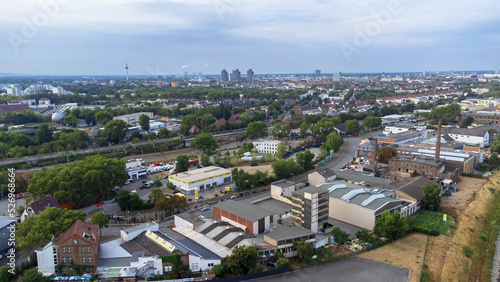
pixel 406 252
pixel 433 221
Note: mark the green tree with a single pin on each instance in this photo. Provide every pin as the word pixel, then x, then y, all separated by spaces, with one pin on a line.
pixel 431 198
pixel 256 130
pixel 31 275
pixel 385 153
pixel 446 113
pixel 391 225
pixel 304 128
pixel 182 163
pixel 333 141
pixel 372 122
pixel 304 250
pixel 205 160
pixel 494 161
pixel 205 143
pixel 352 127
pixel 144 122
pixel 220 270
pixel 43 134
pixel 158 183
pixel 281 151
pixel 468 121
pixel 115 131
pixel 284 168
pixel 37 230
pixel 217 158
pixel 100 219
pixel 80 183
pixel 283 263
pixel 241 260
pixel 5 275
pixel 340 236
pixel 103 117
pixel 155 195
pixel 123 199
pixel 482 167
pixel 135 202
pixel 305 160
pixel 70 120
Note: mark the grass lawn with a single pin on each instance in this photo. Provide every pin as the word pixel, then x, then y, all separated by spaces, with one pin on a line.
pixel 433 221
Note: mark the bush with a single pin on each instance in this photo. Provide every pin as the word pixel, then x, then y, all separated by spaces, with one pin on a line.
pixel 467 251
pixel 483 237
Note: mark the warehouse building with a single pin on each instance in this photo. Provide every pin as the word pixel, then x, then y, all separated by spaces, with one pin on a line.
pixel 203 178
pixel 252 219
pixel 283 237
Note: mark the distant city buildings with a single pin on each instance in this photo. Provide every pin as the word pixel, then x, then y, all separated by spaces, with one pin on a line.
pixel 224 76
pixel 236 75
pixel 336 76
pixel 317 73
pixel 250 75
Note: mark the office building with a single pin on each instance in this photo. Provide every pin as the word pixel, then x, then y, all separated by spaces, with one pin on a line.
pixel 224 76
pixel 266 146
pixel 336 76
pixel 250 75
pixel 310 207
pixel 283 237
pixel 317 73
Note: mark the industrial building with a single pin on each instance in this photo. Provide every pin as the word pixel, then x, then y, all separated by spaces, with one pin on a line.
pixel 283 237
pixel 203 178
pixel 266 146
pixel 360 206
pixel 252 219
pixel 135 170
pixel 133 118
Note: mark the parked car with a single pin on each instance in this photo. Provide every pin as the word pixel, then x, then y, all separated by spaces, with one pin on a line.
pixel 233 197
pixel 254 164
pixel 205 209
pixel 133 191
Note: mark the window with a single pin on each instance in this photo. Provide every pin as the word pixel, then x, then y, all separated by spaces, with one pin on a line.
pixel 70 259
pixel 83 249
pixel 69 250
pixel 88 249
pixel 211 264
pixel 64 250
pixel 84 259
pixel 64 259
pixel 89 259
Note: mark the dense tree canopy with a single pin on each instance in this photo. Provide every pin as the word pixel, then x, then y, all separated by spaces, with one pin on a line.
pixel 80 183
pixel 37 230
pixel 284 168
pixel 385 153
pixel 256 130
pixel 182 163
pixel 144 122
pixel 391 225
pixel 205 143
pixel 431 196
pixel 115 131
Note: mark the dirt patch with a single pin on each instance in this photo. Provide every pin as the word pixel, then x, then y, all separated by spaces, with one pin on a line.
pixel 445 256
pixel 465 191
pixel 252 169
pixel 406 252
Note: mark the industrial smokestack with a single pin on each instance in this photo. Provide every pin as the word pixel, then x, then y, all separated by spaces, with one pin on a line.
pixel 375 149
pixel 438 143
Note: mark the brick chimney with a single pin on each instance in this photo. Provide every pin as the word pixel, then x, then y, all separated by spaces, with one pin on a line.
pixel 438 143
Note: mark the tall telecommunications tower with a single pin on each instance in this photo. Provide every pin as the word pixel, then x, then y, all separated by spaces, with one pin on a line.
pixel 126 68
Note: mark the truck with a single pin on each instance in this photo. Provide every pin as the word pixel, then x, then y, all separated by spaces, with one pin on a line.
pixel 193 162
pixel 227 189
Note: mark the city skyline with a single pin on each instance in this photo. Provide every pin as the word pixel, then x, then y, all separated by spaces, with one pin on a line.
pixel 171 37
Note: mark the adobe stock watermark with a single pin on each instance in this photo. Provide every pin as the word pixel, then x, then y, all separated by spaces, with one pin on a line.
pixel 224 6
pixel 363 37
pixel 11 210
pixel 31 26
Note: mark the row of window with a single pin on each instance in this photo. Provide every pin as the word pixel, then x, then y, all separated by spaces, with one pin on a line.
pixel 83 259
pixel 68 250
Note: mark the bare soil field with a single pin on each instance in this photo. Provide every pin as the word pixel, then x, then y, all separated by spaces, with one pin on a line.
pixel 445 256
pixel 465 190
pixel 406 252
pixel 252 169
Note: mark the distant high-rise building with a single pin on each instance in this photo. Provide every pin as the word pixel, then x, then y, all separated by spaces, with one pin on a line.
pixel 224 76
pixel 174 84
pixel 424 73
pixel 250 75
pixel 317 73
pixel 336 76
pixel 236 75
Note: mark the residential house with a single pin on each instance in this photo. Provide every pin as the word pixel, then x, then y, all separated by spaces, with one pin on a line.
pixel 38 206
pixel 321 176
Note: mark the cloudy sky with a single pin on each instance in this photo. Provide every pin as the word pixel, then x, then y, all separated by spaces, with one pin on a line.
pixel 158 37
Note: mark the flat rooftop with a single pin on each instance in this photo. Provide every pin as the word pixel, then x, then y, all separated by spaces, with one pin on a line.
pixel 197 175
pixel 312 189
pixel 283 232
pixel 243 210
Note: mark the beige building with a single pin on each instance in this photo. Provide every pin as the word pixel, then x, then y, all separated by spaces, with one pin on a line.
pixel 321 176
pixel 282 188
pixel 361 207
pixel 133 118
pixel 283 237
pixel 310 207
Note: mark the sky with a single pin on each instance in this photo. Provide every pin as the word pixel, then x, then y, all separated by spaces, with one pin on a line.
pixel 168 37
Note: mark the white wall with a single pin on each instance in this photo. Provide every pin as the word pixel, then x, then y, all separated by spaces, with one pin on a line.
pixel 351 213
pixel 203 264
pixel 45 260
pixel 181 222
pixel 134 233
pixel 157 264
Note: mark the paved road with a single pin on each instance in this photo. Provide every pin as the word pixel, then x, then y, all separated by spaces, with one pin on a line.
pixel 352 270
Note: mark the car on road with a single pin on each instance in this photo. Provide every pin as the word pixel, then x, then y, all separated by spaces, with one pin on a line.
pixel 205 209
pixel 133 191
pixel 254 164
pixel 223 192
pixel 233 197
